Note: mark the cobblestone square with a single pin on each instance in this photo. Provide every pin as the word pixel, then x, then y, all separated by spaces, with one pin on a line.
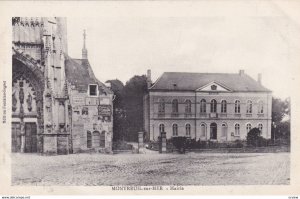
pixel 152 169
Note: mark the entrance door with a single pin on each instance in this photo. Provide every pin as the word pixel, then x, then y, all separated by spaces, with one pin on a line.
pixel 15 137
pixel 96 139
pixel 30 138
pixel 213 131
pixel 102 139
pixel 89 140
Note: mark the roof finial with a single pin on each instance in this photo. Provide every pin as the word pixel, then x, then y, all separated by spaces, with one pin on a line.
pixel 84 50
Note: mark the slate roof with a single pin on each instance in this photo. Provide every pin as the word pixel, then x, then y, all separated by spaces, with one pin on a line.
pixel 80 74
pixel 192 81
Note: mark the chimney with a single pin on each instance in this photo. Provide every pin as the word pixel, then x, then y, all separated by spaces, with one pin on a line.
pixel 259 78
pixel 149 82
pixel 241 72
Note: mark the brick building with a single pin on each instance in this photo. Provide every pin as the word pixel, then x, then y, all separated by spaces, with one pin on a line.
pixel 207 106
pixel 45 85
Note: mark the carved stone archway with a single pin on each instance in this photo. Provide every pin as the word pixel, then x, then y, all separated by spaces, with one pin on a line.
pixel 25 71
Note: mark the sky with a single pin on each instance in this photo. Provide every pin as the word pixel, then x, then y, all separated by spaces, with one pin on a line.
pixel 263 40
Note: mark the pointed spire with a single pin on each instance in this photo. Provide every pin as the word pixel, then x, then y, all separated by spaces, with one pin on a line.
pixel 84 37
pixel 84 50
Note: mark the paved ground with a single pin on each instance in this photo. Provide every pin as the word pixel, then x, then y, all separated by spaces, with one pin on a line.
pixel 151 169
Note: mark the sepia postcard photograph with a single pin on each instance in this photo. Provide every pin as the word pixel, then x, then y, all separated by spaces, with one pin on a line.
pixel 150 97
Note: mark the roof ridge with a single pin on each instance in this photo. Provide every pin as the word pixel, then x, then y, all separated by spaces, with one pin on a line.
pixel 205 73
pixel 192 81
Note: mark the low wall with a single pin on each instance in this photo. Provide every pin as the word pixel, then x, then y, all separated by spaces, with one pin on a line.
pixel 270 149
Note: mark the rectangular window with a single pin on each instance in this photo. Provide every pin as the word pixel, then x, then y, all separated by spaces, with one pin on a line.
pixel 93 90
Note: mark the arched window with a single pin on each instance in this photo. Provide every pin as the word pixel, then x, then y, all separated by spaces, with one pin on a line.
pixel 237 106
pixel 175 106
pixel 237 130
pixel 188 130
pixel 202 130
pixel 223 106
pixel 203 106
pixel 161 128
pixel 175 130
pixel 248 127
pixel 188 106
pixel 260 127
pixel 224 130
pixel 249 106
pixel 260 107
pixel 213 131
pixel 161 106
pixel 89 139
pixel 213 106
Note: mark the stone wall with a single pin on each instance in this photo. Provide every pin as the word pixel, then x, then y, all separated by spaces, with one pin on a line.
pixel 90 115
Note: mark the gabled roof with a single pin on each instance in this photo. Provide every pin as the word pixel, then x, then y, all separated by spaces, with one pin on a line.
pixel 171 81
pixel 80 74
pixel 219 87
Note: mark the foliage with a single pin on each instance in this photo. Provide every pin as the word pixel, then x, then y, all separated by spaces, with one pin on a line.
pixel 282 132
pixel 279 109
pixel 179 143
pixel 133 94
pixel 128 107
pixel 117 87
pixel 118 110
pixel 254 138
pixel 281 119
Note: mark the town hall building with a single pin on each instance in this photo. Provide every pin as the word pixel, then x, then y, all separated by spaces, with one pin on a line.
pixel 207 106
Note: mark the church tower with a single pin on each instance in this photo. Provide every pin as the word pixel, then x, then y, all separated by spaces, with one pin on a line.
pixel 84 50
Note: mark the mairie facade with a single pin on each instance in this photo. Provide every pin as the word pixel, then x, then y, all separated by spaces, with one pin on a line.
pixel 58 105
pixel 207 106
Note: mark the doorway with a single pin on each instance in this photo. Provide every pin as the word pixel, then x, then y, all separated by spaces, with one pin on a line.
pixel 30 137
pixel 213 131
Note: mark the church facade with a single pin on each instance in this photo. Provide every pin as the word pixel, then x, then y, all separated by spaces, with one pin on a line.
pixel 48 97
pixel 207 106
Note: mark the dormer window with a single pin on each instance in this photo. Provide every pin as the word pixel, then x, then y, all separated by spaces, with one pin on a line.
pixel 93 89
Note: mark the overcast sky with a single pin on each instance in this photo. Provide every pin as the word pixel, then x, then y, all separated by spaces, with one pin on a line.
pixel 261 41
